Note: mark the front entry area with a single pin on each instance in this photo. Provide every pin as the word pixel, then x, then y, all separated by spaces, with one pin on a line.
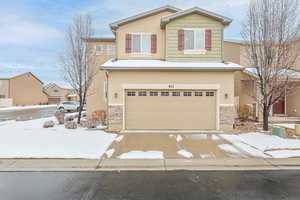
pixel 170 110
pixel 279 108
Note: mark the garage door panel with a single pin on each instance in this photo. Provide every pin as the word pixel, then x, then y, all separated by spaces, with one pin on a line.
pixel 170 112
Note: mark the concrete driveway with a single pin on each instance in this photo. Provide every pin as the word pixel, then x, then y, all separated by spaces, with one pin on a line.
pixel 172 146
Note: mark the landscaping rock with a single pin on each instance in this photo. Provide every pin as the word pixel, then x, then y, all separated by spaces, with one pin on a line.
pixel 48 124
pixel 60 116
pixel 70 125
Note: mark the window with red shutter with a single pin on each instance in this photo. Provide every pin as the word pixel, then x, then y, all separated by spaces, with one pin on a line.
pixel 153 43
pixel 208 39
pixel 128 43
pixel 180 40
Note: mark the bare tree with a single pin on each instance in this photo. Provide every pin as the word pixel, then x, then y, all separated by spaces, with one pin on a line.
pixel 271 34
pixel 77 60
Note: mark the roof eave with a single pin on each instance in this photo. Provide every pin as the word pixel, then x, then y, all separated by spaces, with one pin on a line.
pixel 114 26
pixel 215 69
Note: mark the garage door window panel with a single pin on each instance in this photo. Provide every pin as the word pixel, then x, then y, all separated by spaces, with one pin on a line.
pixel 165 94
pixel 142 93
pixel 130 93
pixel 187 94
pixel 153 93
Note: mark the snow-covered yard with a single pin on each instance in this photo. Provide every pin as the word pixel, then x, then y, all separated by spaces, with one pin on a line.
pixel 28 139
pixel 262 145
pixel 26 107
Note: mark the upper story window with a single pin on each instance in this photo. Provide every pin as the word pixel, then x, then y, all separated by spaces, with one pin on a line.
pixel 194 40
pixel 2 96
pixel 55 90
pixel 141 43
pixel 105 49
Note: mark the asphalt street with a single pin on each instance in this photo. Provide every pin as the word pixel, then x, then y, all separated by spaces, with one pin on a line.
pixel 154 185
pixel 27 114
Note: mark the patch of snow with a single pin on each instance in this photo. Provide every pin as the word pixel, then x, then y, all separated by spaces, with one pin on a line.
pixel 197 136
pixel 257 143
pixel 119 138
pixel 27 107
pixel 178 138
pixel 28 139
pixel 110 152
pixel 160 64
pixel 284 153
pixel 291 126
pixel 215 137
pixel 229 148
pixel 206 156
pixel 185 153
pixel 142 155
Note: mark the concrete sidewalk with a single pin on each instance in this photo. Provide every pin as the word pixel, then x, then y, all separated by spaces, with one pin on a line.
pixel 149 164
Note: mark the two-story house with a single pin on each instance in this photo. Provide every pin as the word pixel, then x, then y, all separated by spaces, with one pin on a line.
pixel 167 72
pixel 287 109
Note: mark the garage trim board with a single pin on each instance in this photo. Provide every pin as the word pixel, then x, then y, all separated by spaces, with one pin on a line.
pixel 179 91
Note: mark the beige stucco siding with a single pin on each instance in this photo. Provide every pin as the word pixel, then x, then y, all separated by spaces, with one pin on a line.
pixel 232 52
pixel 149 24
pixel 117 79
pixel 96 99
pixel 4 88
pixel 27 90
pixel 293 103
pixel 194 21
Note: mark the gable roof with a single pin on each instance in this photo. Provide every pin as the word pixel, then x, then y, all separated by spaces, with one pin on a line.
pixel 224 20
pixel 27 73
pixel 51 85
pixel 116 24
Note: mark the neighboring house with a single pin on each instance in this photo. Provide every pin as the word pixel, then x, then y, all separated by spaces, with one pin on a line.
pixel 56 94
pixel 168 73
pixel 23 89
pixel 246 90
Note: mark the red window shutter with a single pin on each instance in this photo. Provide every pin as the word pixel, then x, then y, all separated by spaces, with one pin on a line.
pixel 128 43
pixel 208 39
pixel 153 43
pixel 180 40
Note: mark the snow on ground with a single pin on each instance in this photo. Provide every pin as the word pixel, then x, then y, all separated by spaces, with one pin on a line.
pixel 178 138
pixel 261 145
pixel 26 107
pixel 28 139
pixel 197 136
pixel 110 152
pixel 185 153
pixel 229 148
pixel 119 138
pixel 291 126
pixel 142 155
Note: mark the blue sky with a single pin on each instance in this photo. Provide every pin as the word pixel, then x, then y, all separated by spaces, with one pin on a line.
pixel 32 31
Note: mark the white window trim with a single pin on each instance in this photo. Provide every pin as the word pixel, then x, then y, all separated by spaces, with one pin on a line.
pixel 140 53
pixel 195 51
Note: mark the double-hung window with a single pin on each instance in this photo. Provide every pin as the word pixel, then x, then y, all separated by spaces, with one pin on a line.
pixel 141 44
pixel 194 39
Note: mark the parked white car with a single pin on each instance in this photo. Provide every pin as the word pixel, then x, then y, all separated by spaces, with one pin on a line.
pixel 68 106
